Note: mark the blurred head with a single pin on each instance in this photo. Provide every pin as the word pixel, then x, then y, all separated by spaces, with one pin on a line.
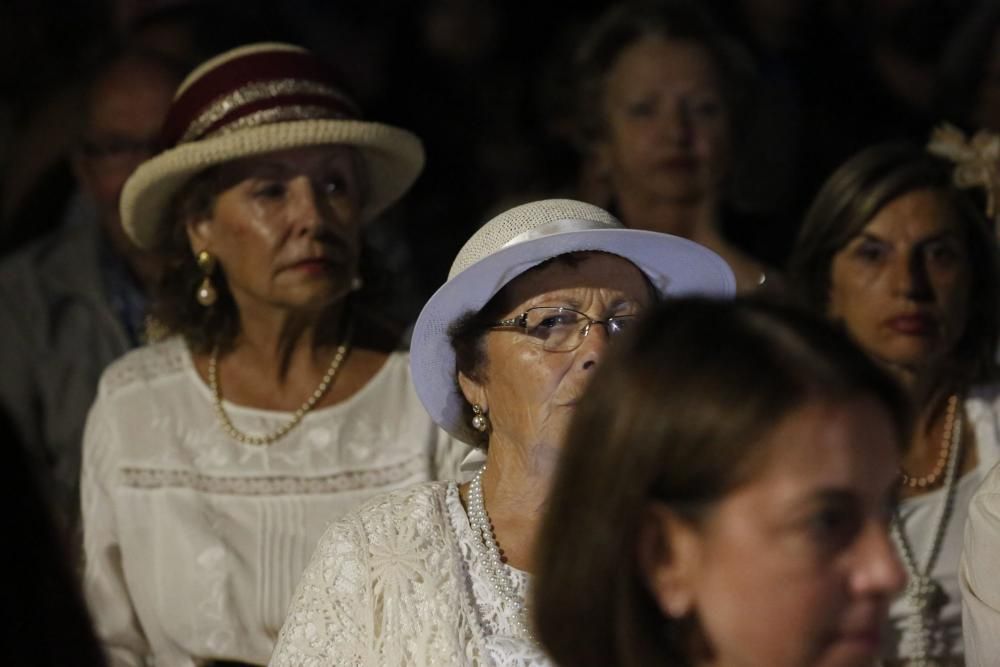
pixel 723 497
pixel 660 88
pixel 125 108
pixel 898 255
pixel 270 169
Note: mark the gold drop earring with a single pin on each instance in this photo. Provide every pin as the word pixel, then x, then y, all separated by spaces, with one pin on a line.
pixel 206 294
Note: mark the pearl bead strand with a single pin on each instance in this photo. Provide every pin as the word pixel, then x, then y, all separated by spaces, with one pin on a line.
pixel 297 416
pixel 490 552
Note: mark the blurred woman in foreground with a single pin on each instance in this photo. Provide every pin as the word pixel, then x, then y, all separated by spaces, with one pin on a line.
pixel 723 498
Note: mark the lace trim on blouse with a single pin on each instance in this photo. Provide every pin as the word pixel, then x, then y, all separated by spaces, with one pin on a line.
pixel 145 478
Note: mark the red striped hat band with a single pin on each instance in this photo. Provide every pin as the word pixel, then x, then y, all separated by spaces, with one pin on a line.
pixel 257 89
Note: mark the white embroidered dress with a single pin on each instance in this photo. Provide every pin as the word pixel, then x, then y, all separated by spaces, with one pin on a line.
pixel 401 582
pixel 194 542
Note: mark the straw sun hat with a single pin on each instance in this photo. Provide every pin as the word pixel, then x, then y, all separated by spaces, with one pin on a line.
pixel 256 99
pixel 523 237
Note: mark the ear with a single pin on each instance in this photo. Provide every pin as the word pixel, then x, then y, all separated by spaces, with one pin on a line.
pixel 473 391
pixel 199 232
pixel 669 552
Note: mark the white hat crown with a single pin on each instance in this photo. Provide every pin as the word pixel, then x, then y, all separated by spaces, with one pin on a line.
pixel 530 221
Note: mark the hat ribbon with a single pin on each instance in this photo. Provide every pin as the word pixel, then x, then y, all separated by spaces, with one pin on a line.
pixel 558 227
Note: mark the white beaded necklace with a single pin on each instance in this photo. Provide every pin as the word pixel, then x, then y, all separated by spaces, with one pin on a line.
pixel 490 552
pixel 922 590
pixel 297 416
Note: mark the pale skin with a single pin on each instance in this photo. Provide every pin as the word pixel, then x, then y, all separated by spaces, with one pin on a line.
pixel 666 145
pixel 794 568
pixel 286 234
pixel 529 394
pixel 901 288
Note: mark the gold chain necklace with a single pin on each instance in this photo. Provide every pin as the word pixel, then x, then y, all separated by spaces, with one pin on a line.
pixel 946 445
pixel 297 416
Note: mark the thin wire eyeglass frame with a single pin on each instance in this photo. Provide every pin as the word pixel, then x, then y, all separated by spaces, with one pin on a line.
pixel 574 340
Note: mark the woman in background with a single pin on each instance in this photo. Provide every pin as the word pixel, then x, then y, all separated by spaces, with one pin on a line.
pixel 722 498
pixel 904 261
pixel 660 90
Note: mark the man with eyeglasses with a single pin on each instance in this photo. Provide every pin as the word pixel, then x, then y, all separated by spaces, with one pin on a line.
pixel 75 300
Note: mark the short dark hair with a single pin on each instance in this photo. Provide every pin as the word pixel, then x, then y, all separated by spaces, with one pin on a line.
pixel 626 23
pixel 677 413
pixel 854 194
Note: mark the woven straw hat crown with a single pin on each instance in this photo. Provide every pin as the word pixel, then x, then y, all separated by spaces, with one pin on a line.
pixel 254 100
pixel 518 222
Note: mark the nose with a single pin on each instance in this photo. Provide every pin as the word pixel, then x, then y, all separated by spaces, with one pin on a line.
pixel 879 571
pixel 676 123
pixel 309 212
pixel 594 344
pixel 910 277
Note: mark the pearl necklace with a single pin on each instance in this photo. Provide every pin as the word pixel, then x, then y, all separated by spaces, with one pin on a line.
pixel 921 589
pixel 490 552
pixel 297 416
pixel 943 454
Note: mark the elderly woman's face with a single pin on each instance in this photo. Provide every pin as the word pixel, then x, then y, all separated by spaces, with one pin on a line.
pixel 901 287
pixel 529 393
pixel 795 568
pixel 667 126
pixel 285 229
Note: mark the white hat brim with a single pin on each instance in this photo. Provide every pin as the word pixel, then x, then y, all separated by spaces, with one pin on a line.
pixel 675 266
pixel 393 158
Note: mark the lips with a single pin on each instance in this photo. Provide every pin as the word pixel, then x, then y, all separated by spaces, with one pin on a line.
pixel 913 324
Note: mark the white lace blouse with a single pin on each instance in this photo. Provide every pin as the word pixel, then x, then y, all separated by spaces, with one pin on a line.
pixel 194 542
pixel 401 582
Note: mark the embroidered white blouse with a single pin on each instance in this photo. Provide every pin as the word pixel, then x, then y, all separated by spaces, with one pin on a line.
pixel 193 541
pixel 401 582
pixel 920 519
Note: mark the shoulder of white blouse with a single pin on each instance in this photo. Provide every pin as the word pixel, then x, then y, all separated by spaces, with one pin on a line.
pixel 144 364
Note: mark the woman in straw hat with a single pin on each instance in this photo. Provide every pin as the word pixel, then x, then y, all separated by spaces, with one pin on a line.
pixel 214 459
pixel 438 574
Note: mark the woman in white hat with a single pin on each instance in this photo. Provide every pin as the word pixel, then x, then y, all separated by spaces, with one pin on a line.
pixel 214 460
pixel 437 574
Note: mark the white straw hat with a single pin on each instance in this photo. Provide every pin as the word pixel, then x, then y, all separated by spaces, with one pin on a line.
pixel 523 237
pixel 256 99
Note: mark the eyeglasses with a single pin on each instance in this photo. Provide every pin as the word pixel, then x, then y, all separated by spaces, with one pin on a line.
pixel 562 329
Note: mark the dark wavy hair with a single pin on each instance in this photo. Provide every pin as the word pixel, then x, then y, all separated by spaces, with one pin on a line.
pixel 853 195
pixel 677 414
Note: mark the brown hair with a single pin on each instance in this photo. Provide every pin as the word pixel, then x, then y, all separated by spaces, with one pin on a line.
pixel 676 413
pixel 625 24
pixel 853 195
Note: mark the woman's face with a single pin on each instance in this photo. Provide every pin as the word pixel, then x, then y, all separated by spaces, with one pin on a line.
pixel 795 568
pixel 528 392
pixel 666 123
pixel 901 287
pixel 285 229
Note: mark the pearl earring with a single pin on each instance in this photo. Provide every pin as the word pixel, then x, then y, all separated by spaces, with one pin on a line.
pixel 206 294
pixel 479 420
